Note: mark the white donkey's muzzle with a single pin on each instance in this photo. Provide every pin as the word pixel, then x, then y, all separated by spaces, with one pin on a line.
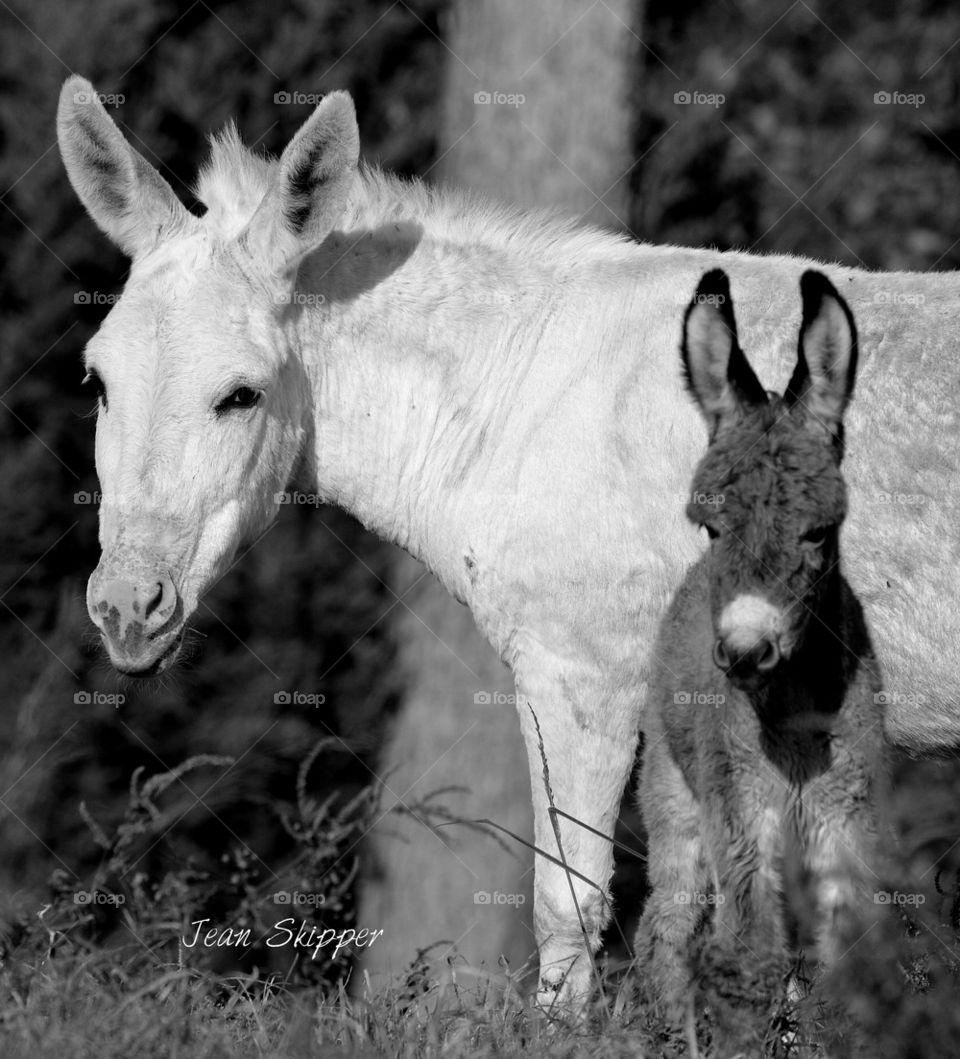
pixel 139 613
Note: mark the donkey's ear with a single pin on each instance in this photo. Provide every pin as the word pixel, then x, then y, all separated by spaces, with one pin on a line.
pixel 127 198
pixel 822 381
pixel 311 188
pixel 716 371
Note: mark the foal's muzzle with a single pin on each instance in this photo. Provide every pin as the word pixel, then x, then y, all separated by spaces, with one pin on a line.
pixel 756 660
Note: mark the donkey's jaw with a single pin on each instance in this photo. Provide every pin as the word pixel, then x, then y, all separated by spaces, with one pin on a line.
pixel 150 665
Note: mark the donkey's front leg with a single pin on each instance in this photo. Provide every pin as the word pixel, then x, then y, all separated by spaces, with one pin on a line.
pixel 580 741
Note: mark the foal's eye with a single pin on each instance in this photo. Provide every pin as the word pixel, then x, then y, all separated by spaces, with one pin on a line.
pixel 93 382
pixel 712 531
pixel 815 536
pixel 241 397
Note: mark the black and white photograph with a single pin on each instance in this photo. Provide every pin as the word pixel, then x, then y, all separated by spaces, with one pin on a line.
pixel 481 545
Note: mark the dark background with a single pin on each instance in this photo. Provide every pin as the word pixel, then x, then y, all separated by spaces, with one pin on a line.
pixel 799 158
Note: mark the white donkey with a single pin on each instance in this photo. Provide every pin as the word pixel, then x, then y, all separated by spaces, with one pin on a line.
pixel 496 393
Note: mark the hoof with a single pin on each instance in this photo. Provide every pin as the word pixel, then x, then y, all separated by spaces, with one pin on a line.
pixel 563 990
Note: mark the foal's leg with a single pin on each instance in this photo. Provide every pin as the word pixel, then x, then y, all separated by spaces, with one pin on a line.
pixel 842 854
pixel 586 735
pixel 678 879
pixel 745 960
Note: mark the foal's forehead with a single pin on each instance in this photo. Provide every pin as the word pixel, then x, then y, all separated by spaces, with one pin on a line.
pixel 772 454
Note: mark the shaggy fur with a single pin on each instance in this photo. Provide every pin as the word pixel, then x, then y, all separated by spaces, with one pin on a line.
pixel 755 773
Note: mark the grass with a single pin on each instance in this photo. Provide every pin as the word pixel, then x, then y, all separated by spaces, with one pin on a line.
pixel 112 979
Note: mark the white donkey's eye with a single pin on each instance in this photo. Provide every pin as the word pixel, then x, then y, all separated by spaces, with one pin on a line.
pixel 95 383
pixel 241 397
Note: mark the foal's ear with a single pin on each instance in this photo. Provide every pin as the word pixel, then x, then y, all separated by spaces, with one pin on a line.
pixel 127 198
pixel 311 187
pixel 716 371
pixel 822 381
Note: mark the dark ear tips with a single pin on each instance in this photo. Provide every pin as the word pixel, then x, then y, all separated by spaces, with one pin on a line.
pixel 814 287
pixel 714 290
pixel 713 282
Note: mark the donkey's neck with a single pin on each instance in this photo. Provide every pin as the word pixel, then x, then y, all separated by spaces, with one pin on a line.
pixel 436 350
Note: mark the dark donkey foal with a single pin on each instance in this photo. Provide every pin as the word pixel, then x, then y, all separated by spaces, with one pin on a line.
pixel 764 751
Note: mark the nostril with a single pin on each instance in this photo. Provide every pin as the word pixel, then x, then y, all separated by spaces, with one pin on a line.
pixel 154 600
pixel 720 657
pixel 769 656
pixel 159 599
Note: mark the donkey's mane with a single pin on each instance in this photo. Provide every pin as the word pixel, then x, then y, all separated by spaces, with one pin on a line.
pixel 235 179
